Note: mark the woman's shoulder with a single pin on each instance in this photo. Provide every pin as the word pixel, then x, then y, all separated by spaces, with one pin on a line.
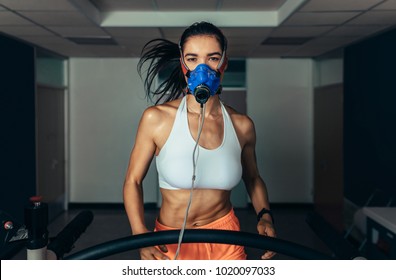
pixel 243 125
pixel 240 121
pixel 161 112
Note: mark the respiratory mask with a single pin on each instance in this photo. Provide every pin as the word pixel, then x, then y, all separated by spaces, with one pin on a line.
pixel 203 82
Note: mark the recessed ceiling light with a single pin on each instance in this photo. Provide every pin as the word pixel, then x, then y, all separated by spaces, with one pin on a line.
pixel 286 40
pixel 92 40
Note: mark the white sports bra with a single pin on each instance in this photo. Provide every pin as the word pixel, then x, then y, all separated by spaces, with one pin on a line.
pixel 219 168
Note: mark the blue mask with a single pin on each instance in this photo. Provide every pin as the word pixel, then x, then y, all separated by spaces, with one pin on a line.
pixel 203 82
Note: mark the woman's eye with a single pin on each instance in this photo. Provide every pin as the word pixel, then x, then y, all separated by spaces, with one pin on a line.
pixel 191 59
pixel 214 59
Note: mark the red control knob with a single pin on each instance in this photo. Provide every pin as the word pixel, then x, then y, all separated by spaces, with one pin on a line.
pixel 36 198
pixel 8 225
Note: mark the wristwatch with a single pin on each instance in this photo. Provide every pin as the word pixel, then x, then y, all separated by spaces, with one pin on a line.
pixel 265 211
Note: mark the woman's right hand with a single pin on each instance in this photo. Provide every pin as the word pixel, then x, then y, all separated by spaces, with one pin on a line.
pixel 154 253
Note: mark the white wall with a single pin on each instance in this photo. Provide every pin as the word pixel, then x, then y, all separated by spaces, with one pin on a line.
pixel 106 102
pixel 328 72
pixel 280 102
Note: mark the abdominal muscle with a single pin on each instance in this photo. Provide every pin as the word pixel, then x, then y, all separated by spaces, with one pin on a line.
pixel 207 206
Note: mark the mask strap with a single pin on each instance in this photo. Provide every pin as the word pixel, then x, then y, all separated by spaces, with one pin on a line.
pixel 224 59
pixel 222 65
pixel 185 69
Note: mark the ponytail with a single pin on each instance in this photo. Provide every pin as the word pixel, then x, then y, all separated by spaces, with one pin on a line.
pixel 162 56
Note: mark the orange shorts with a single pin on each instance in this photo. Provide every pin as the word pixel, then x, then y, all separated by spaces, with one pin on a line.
pixel 208 251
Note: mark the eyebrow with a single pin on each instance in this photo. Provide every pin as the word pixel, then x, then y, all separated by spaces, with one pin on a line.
pixel 209 54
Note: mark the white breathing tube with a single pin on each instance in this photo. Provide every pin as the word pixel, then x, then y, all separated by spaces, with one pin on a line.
pixel 195 159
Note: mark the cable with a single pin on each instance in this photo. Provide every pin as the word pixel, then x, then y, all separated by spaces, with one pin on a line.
pixel 202 115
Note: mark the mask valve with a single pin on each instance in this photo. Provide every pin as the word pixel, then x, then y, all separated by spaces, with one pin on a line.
pixel 203 82
pixel 202 93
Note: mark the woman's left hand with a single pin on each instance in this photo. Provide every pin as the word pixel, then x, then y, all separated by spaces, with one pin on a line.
pixel 266 228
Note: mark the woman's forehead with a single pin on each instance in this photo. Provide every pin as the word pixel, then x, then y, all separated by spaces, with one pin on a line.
pixel 199 41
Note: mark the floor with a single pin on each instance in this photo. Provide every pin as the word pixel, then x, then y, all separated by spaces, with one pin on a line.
pixel 110 224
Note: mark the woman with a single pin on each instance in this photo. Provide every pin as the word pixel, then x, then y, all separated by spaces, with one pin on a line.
pixel 202 148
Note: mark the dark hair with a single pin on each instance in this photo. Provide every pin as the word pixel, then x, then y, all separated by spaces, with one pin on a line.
pixel 164 56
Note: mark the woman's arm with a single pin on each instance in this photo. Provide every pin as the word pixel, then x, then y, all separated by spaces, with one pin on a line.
pixel 140 159
pixel 255 185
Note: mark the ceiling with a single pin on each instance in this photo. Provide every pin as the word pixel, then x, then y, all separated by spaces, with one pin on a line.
pixel 254 28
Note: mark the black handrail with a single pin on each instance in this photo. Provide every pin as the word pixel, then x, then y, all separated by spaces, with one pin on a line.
pixel 64 241
pixel 198 236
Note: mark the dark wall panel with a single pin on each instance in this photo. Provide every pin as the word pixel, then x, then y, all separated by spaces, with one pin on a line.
pixel 370 118
pixel 17 126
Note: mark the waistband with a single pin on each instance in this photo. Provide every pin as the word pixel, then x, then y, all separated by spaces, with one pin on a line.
pixel 216 224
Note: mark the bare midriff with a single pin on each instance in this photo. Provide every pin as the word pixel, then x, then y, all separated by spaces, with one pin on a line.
pixel 207 206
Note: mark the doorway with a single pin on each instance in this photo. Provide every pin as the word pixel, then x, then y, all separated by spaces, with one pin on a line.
pixel 50 117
